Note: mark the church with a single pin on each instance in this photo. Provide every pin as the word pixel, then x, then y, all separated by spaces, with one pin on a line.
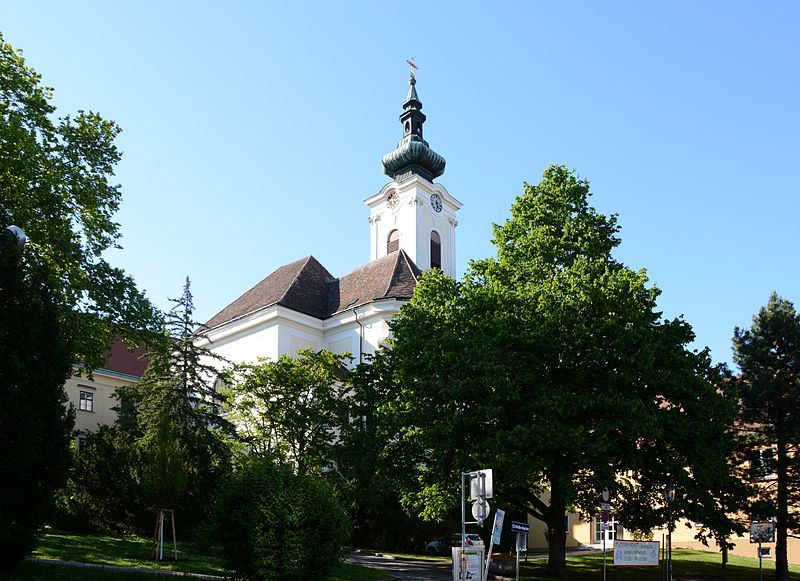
pixel 412 225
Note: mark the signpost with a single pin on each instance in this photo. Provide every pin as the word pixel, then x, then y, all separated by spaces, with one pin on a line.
pixel 761 532
pixel 605 496
pixel 480 487
pixel 497 529
pixel 522 530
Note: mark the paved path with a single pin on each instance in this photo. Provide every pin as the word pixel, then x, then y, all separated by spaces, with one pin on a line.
pixel 402 568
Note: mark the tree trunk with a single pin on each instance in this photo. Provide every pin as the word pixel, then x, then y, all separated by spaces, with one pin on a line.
pixel 557 535
pixel 782 516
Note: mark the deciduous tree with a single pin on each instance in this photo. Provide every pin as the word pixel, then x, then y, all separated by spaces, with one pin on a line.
pixel 551 364
pixel 55 183
pixel 290 409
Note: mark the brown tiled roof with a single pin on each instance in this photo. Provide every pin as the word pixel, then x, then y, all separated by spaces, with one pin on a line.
pixel 307 287
pixel 121 360
pixel 393 276
pixel 298 285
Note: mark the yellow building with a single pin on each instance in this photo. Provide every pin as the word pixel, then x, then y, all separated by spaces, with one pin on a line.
pixel 586 531
pixel 94 398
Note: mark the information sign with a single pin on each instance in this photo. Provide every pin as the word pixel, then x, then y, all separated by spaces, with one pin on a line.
pixel 520 527
pixel 636 553
pixel 762 532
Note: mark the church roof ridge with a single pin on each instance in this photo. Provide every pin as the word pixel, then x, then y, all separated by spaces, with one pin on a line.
pixel 306 286
pixel 402 259
pixel 268 291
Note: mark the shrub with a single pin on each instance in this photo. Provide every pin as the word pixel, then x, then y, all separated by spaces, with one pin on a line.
pixel 274 524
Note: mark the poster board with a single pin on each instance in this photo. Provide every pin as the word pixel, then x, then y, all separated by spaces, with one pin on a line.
pixel 636 553
pixel 473 563
pixel 762 532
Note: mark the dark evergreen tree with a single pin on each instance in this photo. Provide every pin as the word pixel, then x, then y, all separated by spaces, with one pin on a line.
pixel 170 446
pixel 35 420
pixel 182 435
pixel 768 355
pixel 103 493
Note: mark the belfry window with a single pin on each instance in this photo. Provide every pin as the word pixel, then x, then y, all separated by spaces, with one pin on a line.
pixel 393 242
pixel 436 250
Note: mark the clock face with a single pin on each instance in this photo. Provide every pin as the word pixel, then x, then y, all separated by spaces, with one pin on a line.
pixel 391 201
pixel 436 202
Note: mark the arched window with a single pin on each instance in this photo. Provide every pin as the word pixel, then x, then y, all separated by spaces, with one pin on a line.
pixel 436 250
pixel 393 242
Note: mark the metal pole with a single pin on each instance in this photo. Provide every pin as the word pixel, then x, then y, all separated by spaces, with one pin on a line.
pixel 604 530
pixel 161 536
pixel 519 540
pixel 760 570
pixel 669 542
pixel 461 574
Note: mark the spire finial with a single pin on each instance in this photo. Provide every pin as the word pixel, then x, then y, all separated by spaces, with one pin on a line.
pixel 413 66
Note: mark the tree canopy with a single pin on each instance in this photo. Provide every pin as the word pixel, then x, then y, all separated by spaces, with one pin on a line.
pixel 55 184
pixel 768 354
pixel 551 364
pixel 290 409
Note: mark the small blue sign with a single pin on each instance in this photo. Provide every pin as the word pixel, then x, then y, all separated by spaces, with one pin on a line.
pixel 519 527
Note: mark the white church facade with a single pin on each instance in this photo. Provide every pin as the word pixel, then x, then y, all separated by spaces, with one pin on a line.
pixel 412 223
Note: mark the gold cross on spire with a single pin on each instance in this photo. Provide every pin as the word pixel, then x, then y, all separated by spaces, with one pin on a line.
pixel 413 66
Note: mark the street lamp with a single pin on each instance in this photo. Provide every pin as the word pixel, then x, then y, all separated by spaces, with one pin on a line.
pixel 15 231
pixel 669 495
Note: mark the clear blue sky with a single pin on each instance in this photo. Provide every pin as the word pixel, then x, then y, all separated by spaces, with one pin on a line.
pixel 253 131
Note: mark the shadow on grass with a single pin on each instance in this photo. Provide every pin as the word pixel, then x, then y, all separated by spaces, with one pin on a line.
pixel 688 565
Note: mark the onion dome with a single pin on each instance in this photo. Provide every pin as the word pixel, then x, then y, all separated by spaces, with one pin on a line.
pixel 413 154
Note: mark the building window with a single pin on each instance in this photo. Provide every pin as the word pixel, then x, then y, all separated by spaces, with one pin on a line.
pixel 611 532
pixel 436 250
pixel 86 402
pixel 83 443
pixel 393 242
pixel 762 464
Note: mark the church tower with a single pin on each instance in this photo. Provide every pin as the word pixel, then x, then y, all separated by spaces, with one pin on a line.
pixel 411 212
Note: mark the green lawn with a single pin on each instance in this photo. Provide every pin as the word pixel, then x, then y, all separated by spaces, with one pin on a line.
pixel 694 564
pixel 134 552
pixel 125 551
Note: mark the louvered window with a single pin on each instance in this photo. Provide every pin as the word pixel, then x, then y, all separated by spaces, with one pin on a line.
pixel 436 250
